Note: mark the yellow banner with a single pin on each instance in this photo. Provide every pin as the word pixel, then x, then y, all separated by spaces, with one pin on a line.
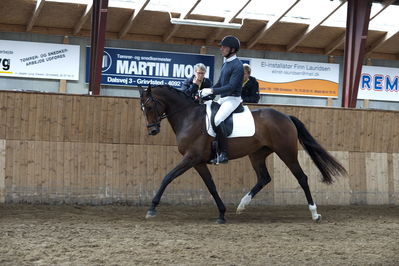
pixel 310 87
pixel 297 78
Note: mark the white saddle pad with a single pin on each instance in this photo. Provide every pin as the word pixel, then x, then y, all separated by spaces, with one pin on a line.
pixel 243 123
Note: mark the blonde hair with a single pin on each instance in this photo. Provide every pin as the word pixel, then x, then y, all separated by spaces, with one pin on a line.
pixel 247 68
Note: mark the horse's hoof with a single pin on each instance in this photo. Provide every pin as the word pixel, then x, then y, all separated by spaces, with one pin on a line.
pixel 317 219
pixel 151 214
pixel 239 210
pixel 220 221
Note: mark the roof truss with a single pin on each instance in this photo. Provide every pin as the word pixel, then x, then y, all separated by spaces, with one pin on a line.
pixel 388 35
pixel 211 38
pixel 174 28
pixel 35 15
pixel 310 28
pixel 340 40
pixel 269 25
pixel 83 18
pixel 132 18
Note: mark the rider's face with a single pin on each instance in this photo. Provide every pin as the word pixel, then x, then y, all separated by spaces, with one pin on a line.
pixel 225 50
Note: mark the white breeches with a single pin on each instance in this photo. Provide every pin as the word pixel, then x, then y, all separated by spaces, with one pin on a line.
pixel 227 105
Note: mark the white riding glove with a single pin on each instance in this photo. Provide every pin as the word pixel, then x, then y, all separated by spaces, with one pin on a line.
pixel 205 92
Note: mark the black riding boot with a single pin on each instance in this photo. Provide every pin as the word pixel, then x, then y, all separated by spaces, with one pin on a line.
pixel 221 137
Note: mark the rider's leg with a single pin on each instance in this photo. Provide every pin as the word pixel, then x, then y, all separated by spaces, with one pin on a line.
pixel 227 106
pixel 221 137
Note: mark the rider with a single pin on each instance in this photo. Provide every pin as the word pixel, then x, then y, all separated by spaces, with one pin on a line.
pixel 229 88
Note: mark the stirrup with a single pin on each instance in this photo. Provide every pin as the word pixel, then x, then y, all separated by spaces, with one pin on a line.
pixel 220 158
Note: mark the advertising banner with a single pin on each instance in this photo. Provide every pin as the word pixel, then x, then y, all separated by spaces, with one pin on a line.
pixel 379 83
pixel 39 60
pixel 295 77
pixel 129 67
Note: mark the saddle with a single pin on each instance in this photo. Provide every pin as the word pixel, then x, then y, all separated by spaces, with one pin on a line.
pixel 228 122
pixel 243 125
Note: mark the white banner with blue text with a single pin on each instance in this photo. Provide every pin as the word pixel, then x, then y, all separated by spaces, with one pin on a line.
pixel 379 83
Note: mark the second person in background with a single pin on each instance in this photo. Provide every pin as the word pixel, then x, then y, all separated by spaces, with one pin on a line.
pixel 197 82
pixel 250 87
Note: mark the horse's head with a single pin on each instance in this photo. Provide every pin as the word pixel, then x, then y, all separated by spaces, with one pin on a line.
pixel 153 110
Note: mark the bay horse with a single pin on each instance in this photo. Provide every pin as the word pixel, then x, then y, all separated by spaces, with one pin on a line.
pixel 274 132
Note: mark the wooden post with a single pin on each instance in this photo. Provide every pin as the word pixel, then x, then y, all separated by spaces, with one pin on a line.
pixel 367 101
pixel 331 59
pixel 2 171
pixel 203 50
pixel 62 88
pixel 329 102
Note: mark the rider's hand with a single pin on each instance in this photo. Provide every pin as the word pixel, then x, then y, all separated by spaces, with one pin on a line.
pixel 205 92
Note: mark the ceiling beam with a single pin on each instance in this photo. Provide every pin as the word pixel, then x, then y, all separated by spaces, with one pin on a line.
pixel 232 17
pixel 35 15
pixel 335 44
pixel 83 18
pixel 215 33
pixel 269 25
pixel 310 28
pixel 340 40
pixel 386 4
pixel 388 35
pixel 174 28
pixel 180 41
pixel 132 18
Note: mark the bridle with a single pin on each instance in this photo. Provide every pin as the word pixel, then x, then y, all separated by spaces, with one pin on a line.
pixel 162 116
pixel 159 116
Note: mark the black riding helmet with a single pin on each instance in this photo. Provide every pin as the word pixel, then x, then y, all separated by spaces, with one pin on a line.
pixel 231 41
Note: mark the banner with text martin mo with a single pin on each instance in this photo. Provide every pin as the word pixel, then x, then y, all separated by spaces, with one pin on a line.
pixel 296 78
pixel 129 67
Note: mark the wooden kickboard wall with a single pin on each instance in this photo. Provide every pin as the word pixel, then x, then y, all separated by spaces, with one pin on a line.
pixel 57 148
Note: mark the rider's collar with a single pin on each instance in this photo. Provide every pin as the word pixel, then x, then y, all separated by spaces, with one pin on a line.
pixel 231 58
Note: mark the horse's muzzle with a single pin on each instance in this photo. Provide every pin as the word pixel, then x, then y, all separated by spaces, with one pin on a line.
pixel 153 129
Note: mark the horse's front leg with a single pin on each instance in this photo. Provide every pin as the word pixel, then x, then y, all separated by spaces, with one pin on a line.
pixel 182 167
pixel 206 176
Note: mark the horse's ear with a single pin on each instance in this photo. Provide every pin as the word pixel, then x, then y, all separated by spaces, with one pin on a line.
pixel 148 90
pixel 141 90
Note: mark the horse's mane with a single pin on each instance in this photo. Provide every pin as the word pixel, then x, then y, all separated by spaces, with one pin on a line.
pixel 177 91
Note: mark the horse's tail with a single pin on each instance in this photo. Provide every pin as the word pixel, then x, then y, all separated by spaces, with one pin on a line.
pixel 324 161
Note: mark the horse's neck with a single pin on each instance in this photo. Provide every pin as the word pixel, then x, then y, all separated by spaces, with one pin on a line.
pixel 178 110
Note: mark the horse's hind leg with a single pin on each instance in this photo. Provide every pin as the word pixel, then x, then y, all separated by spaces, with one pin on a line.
pixel 302 178
pixel 258 163
pixel 206 176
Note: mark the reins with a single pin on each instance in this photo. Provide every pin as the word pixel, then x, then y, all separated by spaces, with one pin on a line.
pixel 160 116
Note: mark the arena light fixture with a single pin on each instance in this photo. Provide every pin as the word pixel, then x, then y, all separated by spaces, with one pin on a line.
pixel 205 23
